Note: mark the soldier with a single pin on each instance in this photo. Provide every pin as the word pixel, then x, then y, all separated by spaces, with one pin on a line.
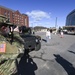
pixel 9 53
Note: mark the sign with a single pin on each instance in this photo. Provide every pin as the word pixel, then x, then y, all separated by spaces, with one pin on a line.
pixel 2 48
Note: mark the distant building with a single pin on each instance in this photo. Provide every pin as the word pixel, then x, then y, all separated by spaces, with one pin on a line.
pixel 15 17
pixel 70 19
pixel 70 23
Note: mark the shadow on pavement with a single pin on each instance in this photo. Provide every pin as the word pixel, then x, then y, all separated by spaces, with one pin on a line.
pixel 44 40
pixel 71 52
pixel 65 64
pixel 26 66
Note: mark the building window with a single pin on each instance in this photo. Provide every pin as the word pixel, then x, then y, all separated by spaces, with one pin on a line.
pixel 13 16
pixel 25 21
pixel 5 13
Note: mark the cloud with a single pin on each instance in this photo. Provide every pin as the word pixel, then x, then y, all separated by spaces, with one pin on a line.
pixel 38 15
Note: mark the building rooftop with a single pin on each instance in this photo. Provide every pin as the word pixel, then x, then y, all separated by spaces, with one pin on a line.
pixel 73 11
pixel 7 8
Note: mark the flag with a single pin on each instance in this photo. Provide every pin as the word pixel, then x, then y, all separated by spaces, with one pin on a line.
pixel 2 48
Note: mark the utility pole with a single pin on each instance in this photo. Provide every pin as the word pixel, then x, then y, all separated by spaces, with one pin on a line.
pixel 56 23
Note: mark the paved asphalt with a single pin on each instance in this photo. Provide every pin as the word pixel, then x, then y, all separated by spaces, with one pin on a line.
pixel 57 57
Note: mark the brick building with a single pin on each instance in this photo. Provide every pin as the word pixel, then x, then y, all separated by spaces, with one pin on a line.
pixel 15 17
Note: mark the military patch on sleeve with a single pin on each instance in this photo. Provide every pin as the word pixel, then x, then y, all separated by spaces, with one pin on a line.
pixel 2 48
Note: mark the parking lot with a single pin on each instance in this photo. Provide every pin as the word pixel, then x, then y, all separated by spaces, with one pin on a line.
pixel 56 57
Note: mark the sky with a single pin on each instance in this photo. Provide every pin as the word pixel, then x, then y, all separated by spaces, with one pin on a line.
pixel 47 13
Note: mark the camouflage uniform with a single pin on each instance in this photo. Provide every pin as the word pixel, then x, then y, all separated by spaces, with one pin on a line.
pixel 7 59
pixel 12 53
pixel 17 37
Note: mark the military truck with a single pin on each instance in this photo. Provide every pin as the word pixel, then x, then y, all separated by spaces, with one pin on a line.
pixel 32 41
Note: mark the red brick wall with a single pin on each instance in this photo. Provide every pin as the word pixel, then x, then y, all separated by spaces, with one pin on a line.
pixel 15 17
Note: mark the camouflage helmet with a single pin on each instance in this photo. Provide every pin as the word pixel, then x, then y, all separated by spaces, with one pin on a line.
pixel 5 21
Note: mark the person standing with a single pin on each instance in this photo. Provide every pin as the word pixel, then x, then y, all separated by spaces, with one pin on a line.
pixel 61 34
pixel 48 35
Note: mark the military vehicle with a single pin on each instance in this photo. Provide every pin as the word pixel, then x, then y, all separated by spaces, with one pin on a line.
pixel 32 41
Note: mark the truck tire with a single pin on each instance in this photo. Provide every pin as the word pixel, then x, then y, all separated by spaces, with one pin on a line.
pixel 38 46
